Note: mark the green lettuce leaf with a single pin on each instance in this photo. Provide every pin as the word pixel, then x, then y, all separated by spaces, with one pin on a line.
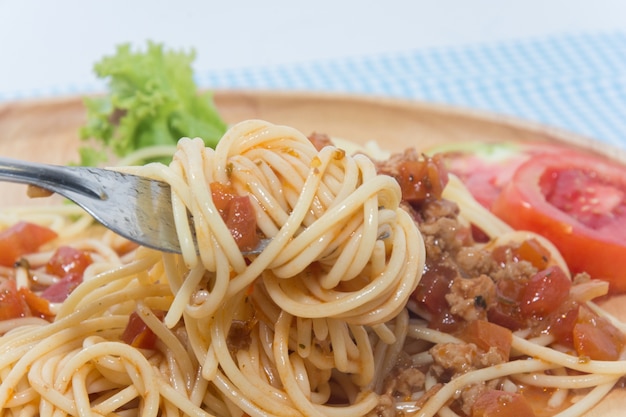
pixel 152 100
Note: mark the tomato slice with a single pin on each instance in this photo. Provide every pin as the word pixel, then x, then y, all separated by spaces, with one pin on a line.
pixel 22 238
pixel 578 202
pixel 485 168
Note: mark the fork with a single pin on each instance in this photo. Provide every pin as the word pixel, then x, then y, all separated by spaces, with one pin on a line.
pixel 137 208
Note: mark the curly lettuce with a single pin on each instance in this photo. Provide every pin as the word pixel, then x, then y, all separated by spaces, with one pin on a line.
pixel 152 100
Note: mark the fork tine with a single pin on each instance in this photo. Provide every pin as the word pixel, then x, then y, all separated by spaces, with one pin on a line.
pixel 136 208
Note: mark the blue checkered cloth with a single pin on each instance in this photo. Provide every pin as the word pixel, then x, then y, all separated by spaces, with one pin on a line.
pixel 573 81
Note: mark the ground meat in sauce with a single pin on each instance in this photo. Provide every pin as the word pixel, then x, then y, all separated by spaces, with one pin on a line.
pixel 385 407
pixel 470 393
pixel 239 335
pixel 440 238
pixel 454 359
pixel 473 261
pixel 470 298
pixel 473 275
pixel 513 270
pixel 405 382
pixel 450 249
pixel 390 166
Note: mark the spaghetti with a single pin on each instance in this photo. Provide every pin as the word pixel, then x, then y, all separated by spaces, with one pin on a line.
pixel 342 262
pixel 323 322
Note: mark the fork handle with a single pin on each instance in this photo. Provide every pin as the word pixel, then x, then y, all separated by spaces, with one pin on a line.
pixel 56 178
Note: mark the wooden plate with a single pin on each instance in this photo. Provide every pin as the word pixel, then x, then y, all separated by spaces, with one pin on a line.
pixel 47 131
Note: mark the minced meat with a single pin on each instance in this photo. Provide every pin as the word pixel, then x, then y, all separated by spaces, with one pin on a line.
pixel 470 298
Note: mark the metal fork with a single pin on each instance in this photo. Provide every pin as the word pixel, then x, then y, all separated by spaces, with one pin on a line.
pixel 135 207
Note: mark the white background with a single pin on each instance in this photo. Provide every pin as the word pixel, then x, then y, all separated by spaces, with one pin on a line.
pixel 53 44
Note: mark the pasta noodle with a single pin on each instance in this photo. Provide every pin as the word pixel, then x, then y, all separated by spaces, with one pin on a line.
pixel 313 325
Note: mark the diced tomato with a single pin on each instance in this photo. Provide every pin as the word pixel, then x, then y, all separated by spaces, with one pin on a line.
pixel 506 315
pixel 423 179
pixel 501 253
pixel 561 323
pixel 21 302
pixel 238 214
pixel 69 264
pixel 486 335
pixel 320 140
pixel 68 260
pixel 545 292
pixel 241 221
pixel 222 195
pixel 594 343
pixel 11 304
pixel 138 334
pixel 509 291
pixel 478 234
pixel 38 306
pixel 430 295
pixel 578 202
pixel 433 286
pixel 22 238
pixel 531 250
pixel 494 403
pixel 506 311
pixel 596 338
pixel 60 290
pixel 445 321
